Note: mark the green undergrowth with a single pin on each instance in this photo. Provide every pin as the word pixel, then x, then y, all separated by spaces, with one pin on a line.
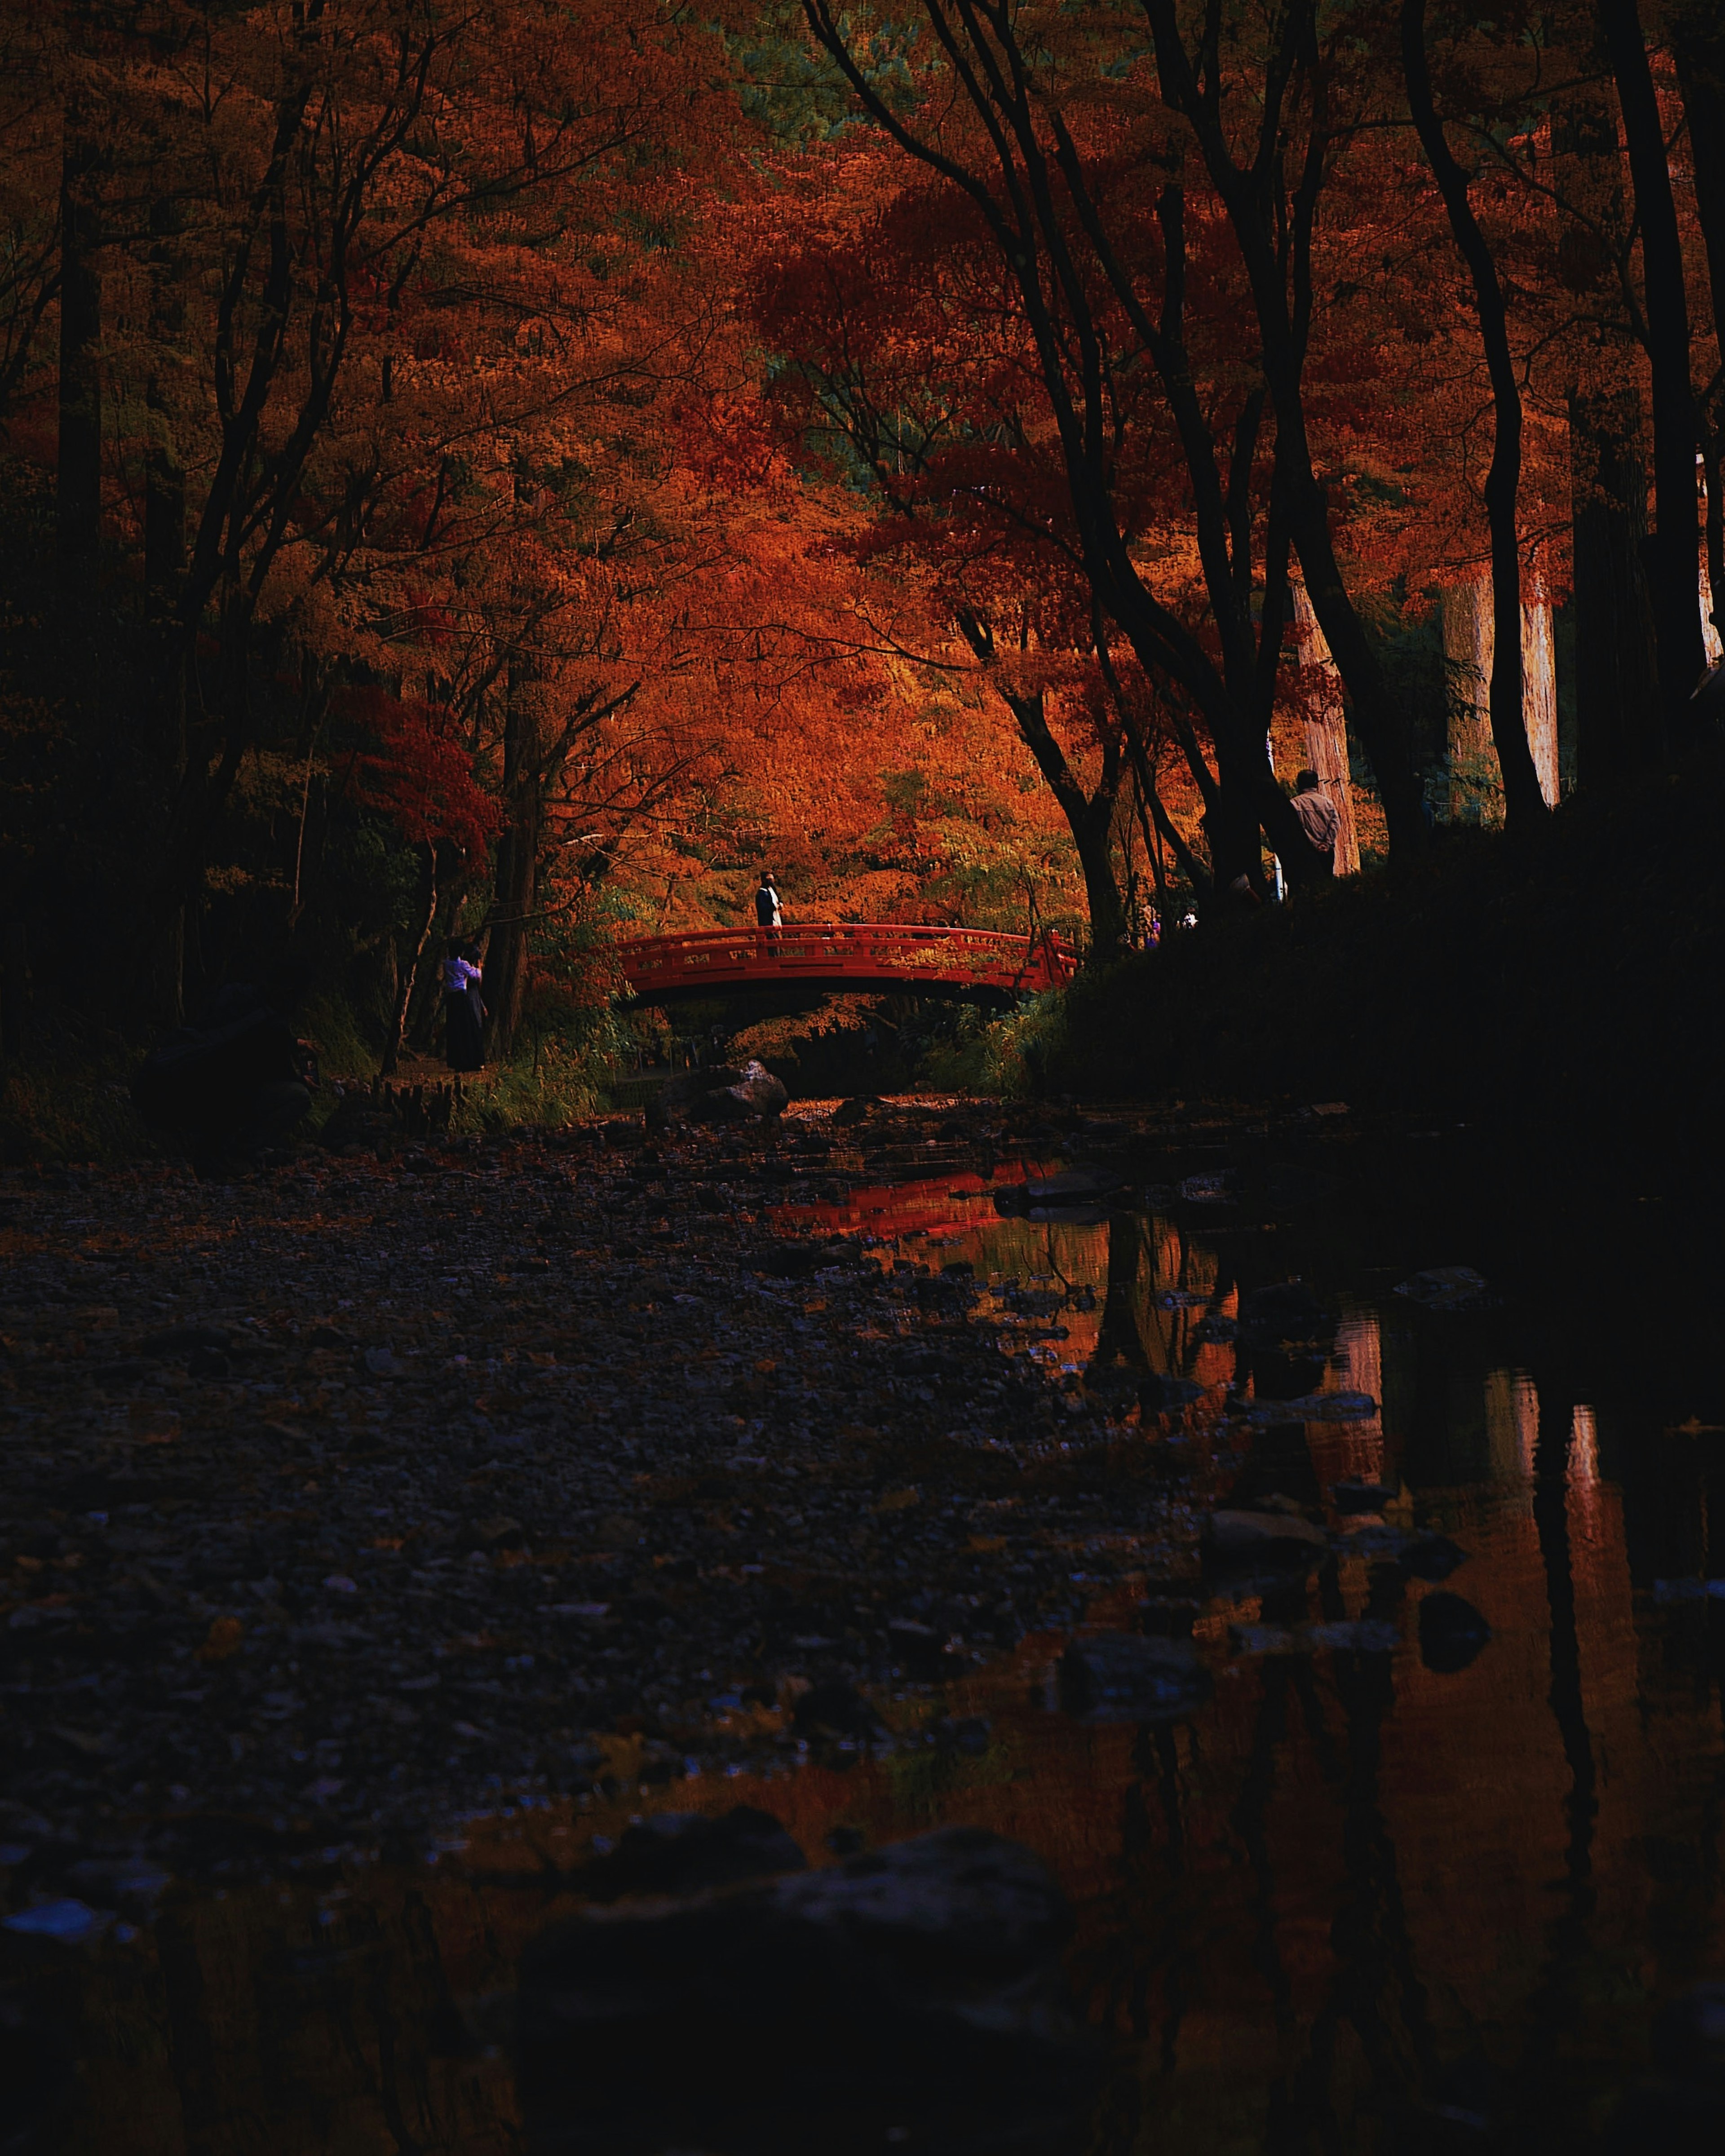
pixel 1008 1055
pixel 1568 982
pixel 68 1099
pixel 556 1088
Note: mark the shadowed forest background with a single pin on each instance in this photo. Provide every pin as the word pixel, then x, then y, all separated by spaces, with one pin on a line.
pixel 526 470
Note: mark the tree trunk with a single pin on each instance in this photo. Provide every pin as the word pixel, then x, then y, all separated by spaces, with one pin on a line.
pixel 1523 801
pixel 1476 789
pixel 1089 818
pixel 408 976
pixel 427 1005
pixel 1540 693
pixel 515 894
pixel 1675 573
pixel 1469 631
pixel 164 476
pixel 1619 727
pixel 78 479
pixel 1713 571
pixel 1327 733
pixel 1273 235
pixel 1697 29
pixel 1095 841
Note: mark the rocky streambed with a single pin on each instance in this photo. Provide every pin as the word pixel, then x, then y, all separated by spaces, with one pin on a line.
pixel 366 1492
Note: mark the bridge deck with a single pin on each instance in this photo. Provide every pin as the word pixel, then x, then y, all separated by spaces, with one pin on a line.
pixel 836 955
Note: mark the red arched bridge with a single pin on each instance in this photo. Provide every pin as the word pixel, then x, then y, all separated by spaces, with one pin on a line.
pixel 971 964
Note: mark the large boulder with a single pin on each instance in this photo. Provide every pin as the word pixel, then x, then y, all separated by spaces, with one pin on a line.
pixel 913 1993
pixel 720 1094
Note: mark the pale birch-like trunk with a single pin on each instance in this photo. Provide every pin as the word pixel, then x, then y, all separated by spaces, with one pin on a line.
pixel 1327 732
pixel 1540 693
pixel 1475 783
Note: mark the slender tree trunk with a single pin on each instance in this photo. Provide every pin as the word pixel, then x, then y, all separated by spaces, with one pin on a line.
pixel 1674 564
pixel 164 476
pixel 515 894
pixel 1089 818
pixel 427 997
pixel 1617 720
pixel 1539 692
pixel 1185 859
pixel 1524 803
pixel 1327 734
pixel 1274 237
pixel 1696 29
pixel 78 467
pixel 1474 785
pixel 1713 594
pixel 408 976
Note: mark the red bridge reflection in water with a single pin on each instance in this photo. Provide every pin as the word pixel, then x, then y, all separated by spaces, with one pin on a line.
pixel 975 963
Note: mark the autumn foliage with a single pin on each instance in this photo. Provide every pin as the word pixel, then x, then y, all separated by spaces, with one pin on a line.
pixel 524 469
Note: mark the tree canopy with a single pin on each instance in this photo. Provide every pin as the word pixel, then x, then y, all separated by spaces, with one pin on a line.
pixel 522 469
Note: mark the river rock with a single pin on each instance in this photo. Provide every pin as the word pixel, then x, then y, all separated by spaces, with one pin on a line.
pixel 1125 1677
pixel 913 1993
pixel 1431 1557
pixel 683 1853
pixel 1162 1394
pixel 834 1710
pixel 1284 1310
pixel 1448 1288
pixel 723 1093
pixel 1242 1534
pixel 1355 1495
pixel 186 1339
pixel 1077 1186
pixel 1451 1633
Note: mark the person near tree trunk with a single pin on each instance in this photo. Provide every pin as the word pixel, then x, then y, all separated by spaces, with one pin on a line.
pixel 464 1008
pixel 1319 818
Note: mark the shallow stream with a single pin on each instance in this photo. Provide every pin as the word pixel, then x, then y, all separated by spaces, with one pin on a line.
pixel 1361 1899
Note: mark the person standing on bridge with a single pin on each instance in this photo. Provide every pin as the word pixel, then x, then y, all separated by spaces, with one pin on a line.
pixel 769 912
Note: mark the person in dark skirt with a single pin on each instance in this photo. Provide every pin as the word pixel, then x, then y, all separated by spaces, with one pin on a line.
pixel 463 1009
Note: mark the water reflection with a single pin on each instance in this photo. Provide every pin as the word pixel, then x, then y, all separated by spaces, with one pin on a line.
pixel 1364 1899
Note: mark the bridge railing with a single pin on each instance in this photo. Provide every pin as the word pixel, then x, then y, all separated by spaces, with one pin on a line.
pixel 864 950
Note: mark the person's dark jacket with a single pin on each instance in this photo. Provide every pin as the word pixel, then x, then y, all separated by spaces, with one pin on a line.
pixel 209 1071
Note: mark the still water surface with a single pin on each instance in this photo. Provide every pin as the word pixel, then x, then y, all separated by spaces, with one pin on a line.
pixel 1352 1892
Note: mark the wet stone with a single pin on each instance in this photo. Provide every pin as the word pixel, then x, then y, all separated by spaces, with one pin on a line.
pixel 1452 1633
pixel 1126 1676
pixel 922 1980
pixel 683 1853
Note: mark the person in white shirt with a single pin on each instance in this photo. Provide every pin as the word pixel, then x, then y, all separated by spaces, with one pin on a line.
pixel 464 1008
